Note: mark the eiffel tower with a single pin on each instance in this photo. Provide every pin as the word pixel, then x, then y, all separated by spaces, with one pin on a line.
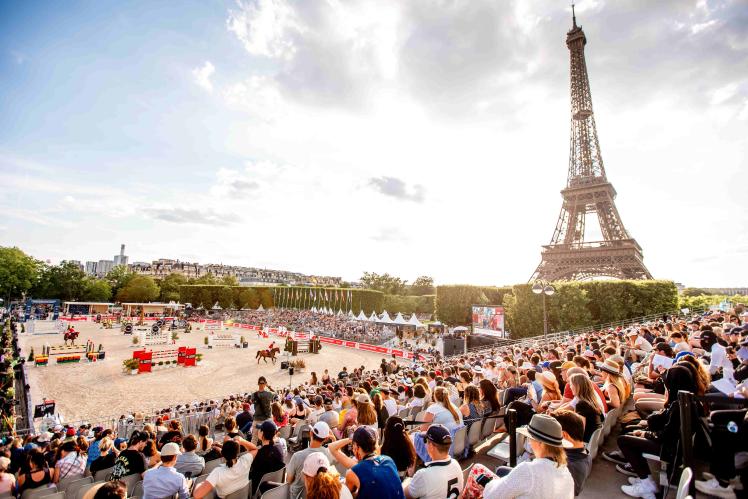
pixel 569 256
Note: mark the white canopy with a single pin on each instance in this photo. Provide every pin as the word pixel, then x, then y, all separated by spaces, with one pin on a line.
pixel 414 321
pixel 350 314
pixel 361 316
pixel 260 308
pixel 314 309
pixel 340 312
pixel 385 317
pixel 373 317
pixel 399 319
pixel 216 307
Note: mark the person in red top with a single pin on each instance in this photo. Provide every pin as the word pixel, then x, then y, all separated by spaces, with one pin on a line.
pixel 567 389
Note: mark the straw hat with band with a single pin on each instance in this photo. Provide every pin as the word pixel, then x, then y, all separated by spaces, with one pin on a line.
pixel 609 366
pixel 545 429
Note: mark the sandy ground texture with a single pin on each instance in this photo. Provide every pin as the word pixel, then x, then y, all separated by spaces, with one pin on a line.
pixel 99 390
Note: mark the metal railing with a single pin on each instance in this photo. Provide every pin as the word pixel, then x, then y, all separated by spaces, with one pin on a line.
pixel 563 335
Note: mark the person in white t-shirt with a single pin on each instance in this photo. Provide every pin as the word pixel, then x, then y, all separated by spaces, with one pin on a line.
pixel 679 343
pixel 389 399
pixel 442 476
pixel 231 476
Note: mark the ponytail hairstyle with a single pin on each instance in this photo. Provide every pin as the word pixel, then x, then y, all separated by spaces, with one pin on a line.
pixel 442 396
pixel 325 484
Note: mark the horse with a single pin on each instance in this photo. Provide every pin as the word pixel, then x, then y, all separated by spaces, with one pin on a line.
pixel 264 354
pixel 71 335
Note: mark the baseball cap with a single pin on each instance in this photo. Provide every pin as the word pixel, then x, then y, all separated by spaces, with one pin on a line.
pixel 568 365
pixel 245 406
pixel 170 449
pixel 268 428
pixel 321 430
pixel 327 401
pixel 438 434
pixel 70 432
pixel 314 462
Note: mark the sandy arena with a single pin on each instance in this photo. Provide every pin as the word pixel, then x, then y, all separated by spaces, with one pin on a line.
pixel 100 390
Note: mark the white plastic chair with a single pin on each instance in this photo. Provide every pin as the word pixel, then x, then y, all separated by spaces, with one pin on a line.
pixel 273 476
pixel 280 492
pixel 685 482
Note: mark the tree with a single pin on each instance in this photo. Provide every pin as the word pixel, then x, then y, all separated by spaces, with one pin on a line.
pixel 139 289
pixel 170 287
pixel 423 285
pixel 97 290
pixel 694 292
pixel 385 283
pixel 18 272
pixel 65 281
pixel 118 278
pixel 229 280
pixel 205 279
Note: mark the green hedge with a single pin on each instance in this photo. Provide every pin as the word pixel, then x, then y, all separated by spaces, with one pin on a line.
pixel 409 304
pixel 575 304
pixel 453 302
pixel 235 297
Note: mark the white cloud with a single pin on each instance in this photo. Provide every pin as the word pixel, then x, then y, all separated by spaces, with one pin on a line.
pixel 202 75
pixel 265 27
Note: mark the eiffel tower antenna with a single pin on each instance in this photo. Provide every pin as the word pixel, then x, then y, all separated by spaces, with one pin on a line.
pixel 573 15
pixel 569 256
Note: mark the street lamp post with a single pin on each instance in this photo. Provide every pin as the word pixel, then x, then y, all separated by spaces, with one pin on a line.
pixel 544 288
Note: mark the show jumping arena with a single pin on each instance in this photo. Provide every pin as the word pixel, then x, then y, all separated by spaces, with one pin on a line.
pixel 100 390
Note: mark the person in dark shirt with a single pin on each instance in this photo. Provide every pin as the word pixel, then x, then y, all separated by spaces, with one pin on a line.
pixel 107 457
pixel 269 456
pixel 244 419
pixel 262 400
pixel 131 460
pixel 173 435
pixel 577 457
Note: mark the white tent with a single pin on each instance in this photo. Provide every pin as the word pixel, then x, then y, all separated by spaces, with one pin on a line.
pixel 350 314
pixel 399 319
pixel 385 318
pixel 414 321
pixel 314 309
pixel 361 316
pixel 260 308
pixel 216 307
pixel 340 312
pixel 373 317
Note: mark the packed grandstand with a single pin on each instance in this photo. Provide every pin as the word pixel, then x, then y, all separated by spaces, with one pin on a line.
pixel 526 419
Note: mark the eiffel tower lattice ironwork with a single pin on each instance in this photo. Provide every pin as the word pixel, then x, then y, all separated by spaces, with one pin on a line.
pixel 569 256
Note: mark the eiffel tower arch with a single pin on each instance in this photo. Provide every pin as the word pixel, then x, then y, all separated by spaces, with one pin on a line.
pixel 569 256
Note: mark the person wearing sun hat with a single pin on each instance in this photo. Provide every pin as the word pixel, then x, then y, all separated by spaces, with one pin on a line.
pixel 544 477
pixel 615 388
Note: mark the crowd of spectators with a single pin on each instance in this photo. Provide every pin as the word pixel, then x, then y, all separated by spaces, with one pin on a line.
pixel 388 433
pixel 316 323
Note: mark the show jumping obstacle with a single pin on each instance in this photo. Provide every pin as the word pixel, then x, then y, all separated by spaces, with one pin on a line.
pixel 153 335
pixel 223 340
pixel 184 356
pixel 69 354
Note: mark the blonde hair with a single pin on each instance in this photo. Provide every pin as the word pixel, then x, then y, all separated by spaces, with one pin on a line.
pixel 550 387
pixel 325 485
pixel 557 454
pixel 106 444
pixel 584 390
pixel 620 383
pixel 441 395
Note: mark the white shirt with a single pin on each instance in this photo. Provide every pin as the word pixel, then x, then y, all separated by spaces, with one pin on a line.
pixel 391 406
pixel 443 416
pixel 642 344
pixel 537 479
pixel 227 480
pixel 719 359
pixel 681 346
pixel 437 480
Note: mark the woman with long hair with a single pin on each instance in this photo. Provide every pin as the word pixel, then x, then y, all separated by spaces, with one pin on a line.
pixel 615 388
pixel 471 408
pixel 489 396
pixel 7 480
pixel 313 380
pixel 152 456
pixel 234 474
pixel 380 410
pixel 321 480
pixel 72 464
pixel 38 474
pixel 204 442
pixel 442 411
pixel 366 414
pixel 419 396
pixel 586 403
pixel 398 446
pixel 280 418
pixel 107 456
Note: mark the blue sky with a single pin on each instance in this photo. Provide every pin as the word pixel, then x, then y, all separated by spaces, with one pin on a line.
pixel 337 137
